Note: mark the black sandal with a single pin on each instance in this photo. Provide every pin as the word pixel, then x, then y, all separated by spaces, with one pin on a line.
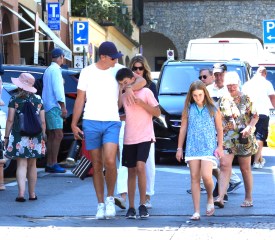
pixel 33 199
pixel 20 199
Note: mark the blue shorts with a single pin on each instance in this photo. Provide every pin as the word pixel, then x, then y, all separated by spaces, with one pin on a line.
pixel 135 152
pixel 54 119
pixel 97 133
pixel 262 128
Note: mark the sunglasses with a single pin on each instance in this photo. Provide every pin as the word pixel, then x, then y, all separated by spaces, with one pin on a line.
pixel 202 77
pixel 137 68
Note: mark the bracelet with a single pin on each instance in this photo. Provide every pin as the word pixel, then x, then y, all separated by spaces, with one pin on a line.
pixel 179 149
pixel 6 137
pixel 128 86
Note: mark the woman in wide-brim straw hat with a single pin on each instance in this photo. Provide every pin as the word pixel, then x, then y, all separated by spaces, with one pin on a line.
pixel 24 149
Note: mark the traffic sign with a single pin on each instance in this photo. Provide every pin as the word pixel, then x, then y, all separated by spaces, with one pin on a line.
pixel 269 31
pixel 54 16
pixel 78 62
pixel 80 36
pixel 81 30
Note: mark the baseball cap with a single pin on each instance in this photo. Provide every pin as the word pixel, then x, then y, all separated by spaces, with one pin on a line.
pixel 261 69
pixel 109 49
pixel 219 67
pixel 57 52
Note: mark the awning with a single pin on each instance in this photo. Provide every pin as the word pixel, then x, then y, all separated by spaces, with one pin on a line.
pixel 51 34
pixel 22 19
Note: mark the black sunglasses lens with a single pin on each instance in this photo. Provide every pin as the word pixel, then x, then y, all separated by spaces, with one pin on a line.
pixel 202 77
pixel 137 68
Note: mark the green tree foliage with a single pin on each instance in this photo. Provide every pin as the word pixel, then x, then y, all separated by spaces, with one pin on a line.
pixel 104 12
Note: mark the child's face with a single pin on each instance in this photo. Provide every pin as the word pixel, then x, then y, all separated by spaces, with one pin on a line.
pixel 126 81
pixel 198 96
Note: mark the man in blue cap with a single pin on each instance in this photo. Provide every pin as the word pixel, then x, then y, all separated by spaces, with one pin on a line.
pixel 98 93
pixel 53 96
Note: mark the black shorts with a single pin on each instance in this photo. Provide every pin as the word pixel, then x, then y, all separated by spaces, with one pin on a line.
pixel 135 152
pixel 262 128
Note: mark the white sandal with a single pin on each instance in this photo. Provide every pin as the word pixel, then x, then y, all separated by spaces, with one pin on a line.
pixel 2 187
pixel 195 217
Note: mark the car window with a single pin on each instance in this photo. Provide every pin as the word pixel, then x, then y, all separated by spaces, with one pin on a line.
pixel 270 74
pixel 177 79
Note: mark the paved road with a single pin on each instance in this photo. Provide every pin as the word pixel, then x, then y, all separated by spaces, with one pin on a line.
pixel 66 207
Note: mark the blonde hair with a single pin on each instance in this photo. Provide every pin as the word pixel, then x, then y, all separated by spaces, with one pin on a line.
pixel 208 101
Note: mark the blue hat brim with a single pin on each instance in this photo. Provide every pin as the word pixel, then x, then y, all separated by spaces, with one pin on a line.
pixel 117 55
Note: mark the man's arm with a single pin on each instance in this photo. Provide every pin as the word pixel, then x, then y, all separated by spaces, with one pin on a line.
pixel 78 109
pixel 272 99
pixel 139 83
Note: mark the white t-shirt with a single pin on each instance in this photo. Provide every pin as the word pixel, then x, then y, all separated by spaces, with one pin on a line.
pixel 102 91
pixel 214 91
pixel 259 89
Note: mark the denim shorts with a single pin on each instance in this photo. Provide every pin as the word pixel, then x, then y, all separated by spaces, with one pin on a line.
pixel 97 133
pixel 262 128
pixel 54 119
pixel 135 152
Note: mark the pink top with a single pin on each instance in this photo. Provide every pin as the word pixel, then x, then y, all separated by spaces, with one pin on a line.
pixel 138 124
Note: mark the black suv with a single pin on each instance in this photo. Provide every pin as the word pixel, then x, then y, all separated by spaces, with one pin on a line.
pixel 70 76
pixel 173 85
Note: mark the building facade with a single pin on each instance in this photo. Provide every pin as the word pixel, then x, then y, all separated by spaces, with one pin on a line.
pixel 178 21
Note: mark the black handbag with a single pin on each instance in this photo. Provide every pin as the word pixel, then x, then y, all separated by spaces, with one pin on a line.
pixel 82 168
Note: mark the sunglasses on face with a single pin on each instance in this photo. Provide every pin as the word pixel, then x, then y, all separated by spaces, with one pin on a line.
pixel 202 77
pixel 137 68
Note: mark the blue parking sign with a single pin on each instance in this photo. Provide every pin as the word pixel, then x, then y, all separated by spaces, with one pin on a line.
pixel 54 16
pixel 268 31
pixel 80 32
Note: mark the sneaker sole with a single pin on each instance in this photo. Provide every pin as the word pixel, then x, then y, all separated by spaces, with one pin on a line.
pixel 144 217
pixel 235 189
pixel 131 217
pixel 119 204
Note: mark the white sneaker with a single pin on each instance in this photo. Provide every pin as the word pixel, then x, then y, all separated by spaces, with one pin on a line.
pixel 262 162
pixel 100 211
pixel 148 204
pixel 120 202
pixel 257 165
pixel 110 211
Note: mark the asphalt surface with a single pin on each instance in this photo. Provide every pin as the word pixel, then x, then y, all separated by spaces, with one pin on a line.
pixel 66 208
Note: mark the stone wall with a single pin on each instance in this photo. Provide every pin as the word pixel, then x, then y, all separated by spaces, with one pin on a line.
pixel 181 21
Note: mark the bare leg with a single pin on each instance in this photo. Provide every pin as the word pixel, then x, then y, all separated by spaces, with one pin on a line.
pixel 141 173
pixel 53 144
pixel 98 177
pixel 195 171
pixel 206 172
pixel 245 166
pixel 132 175
pixel 110 151
pixel 21 173
pixel 32 177
pixel 258 155
pixel 225 173
pixel 2 185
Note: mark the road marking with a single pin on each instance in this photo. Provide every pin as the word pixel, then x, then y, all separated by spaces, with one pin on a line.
pixel 184 170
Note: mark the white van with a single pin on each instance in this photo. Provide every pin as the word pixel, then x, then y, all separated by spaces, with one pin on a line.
pixel 244 49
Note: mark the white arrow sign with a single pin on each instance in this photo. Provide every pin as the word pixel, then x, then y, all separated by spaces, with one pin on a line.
pixel 79 39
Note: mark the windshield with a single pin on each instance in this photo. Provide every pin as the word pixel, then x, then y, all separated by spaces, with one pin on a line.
pixel 270 74
pixel 176 79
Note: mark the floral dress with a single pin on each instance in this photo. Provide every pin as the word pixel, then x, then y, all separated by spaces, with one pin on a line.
pixel 237 114
pixel 24 146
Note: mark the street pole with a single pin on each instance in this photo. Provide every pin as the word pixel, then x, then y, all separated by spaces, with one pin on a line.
pixel 43 4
